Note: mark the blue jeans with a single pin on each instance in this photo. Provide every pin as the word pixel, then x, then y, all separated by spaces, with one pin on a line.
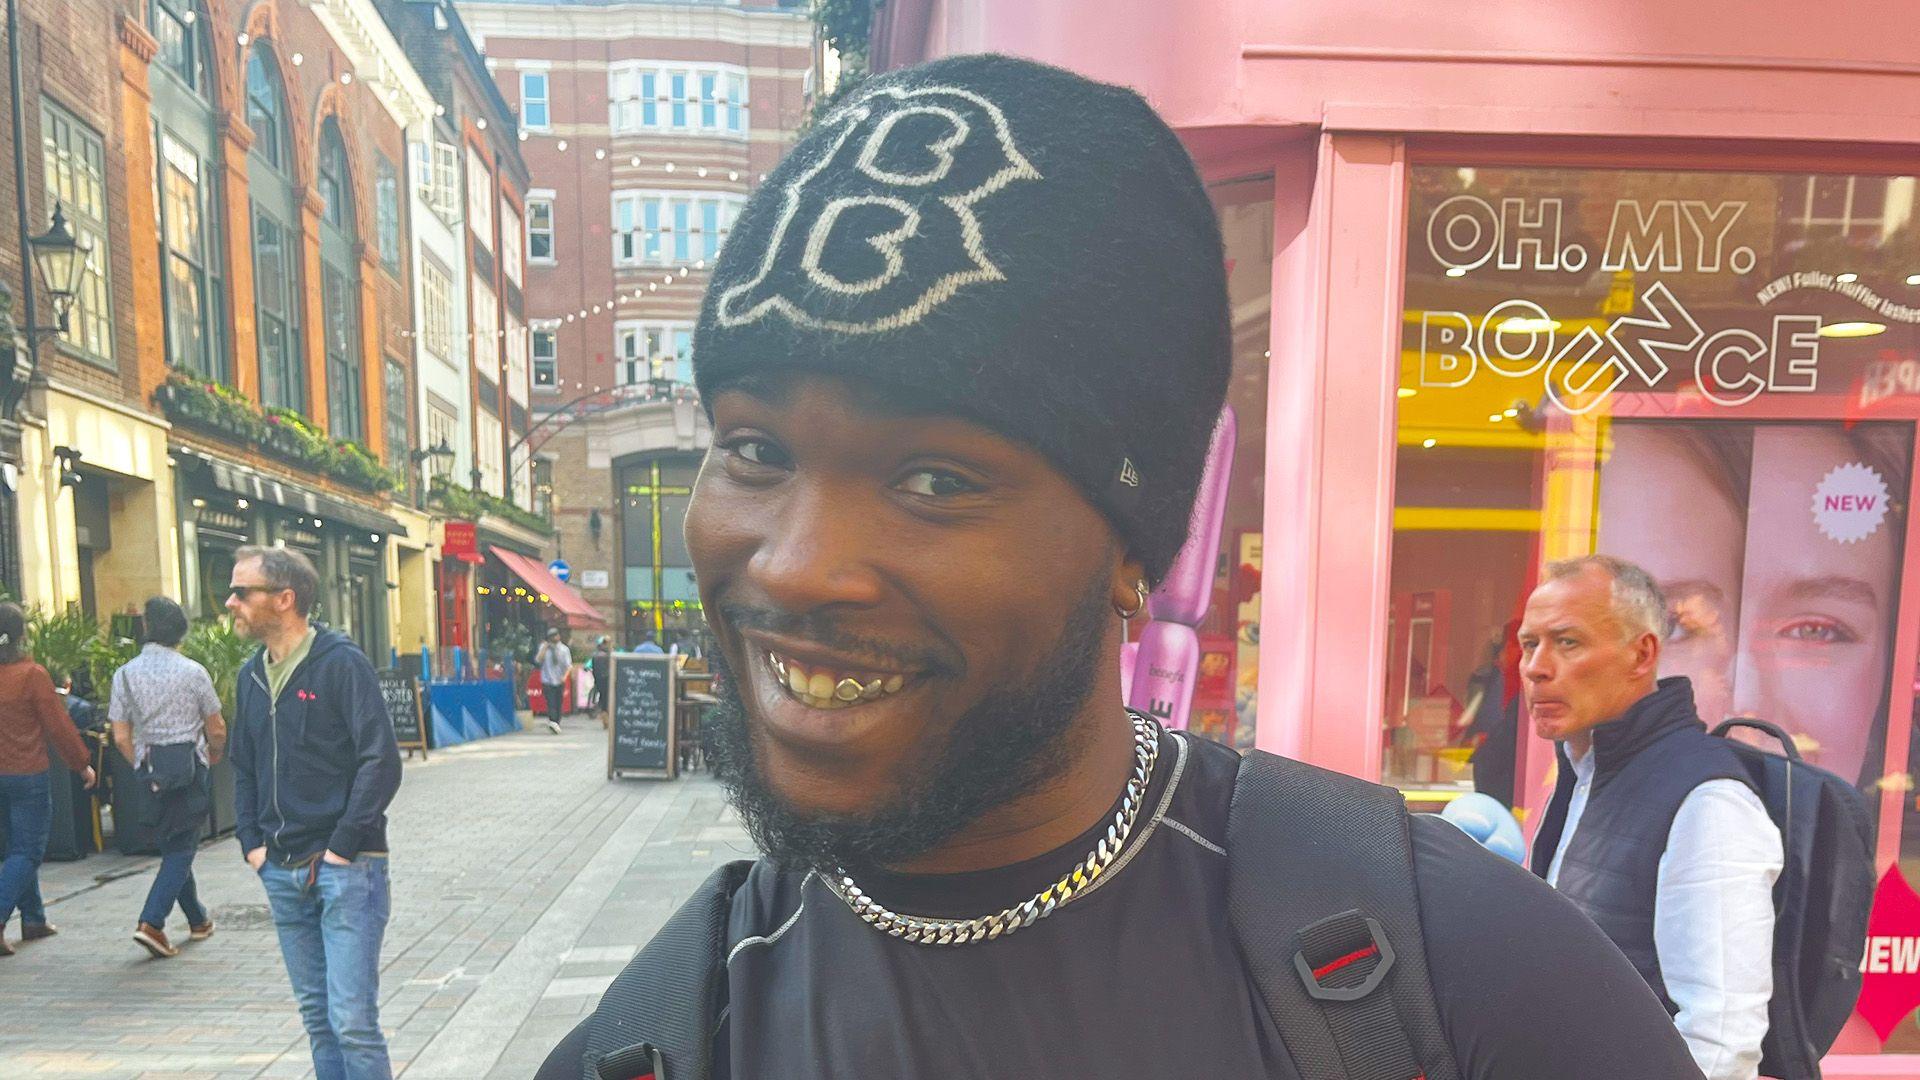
pixel 330 934
pixel 28 803
pixel 174 882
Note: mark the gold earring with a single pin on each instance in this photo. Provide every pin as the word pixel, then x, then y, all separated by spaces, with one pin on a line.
pixel 1140 593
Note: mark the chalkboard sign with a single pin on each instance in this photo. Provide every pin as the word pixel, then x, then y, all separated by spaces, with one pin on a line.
pixel 640 740
pixel 401 693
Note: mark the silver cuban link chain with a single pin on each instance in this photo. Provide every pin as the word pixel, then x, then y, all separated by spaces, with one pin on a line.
pixel 926 930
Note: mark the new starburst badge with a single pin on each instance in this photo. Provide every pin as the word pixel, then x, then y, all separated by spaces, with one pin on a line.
pixel 1850 504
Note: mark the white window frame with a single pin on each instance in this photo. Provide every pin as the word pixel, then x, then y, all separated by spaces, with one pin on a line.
pixel 487 452
pixel 480 198
pixel 630 247
pixel 544 99
pixel 516 359
pixel 545 199
pixel 511 238
pixel 550 327
pixel 436 178
pixel 486 330
pixel 731 98
pixel 437 309
pixel 629 343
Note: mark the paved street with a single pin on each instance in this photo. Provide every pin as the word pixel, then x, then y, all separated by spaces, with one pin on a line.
pixel 522 881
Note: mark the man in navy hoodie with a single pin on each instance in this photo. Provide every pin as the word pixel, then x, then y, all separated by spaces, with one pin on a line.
pixel 315 765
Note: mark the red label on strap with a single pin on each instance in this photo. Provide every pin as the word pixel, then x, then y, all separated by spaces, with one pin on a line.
pixel 1329 968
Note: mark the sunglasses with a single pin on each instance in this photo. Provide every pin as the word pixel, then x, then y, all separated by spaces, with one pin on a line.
pixel 243 591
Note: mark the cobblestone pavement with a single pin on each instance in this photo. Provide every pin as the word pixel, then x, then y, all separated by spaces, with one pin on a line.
pixel 522 881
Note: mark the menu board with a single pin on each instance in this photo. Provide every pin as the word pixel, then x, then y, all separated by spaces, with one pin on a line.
pixel 400 692
pixel 640 738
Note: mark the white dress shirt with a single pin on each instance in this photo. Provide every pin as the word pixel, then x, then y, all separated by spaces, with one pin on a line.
pixel 1712 918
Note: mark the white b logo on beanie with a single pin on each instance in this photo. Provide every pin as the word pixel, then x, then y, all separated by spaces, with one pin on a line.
pixel 881 229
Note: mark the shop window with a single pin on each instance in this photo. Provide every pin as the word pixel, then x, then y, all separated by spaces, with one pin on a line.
pixel 661 597
pixel 1226 685
pixel 1713 375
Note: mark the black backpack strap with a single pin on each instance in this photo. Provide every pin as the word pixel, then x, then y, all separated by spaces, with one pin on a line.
pixel 1321 895
pixel 658 1018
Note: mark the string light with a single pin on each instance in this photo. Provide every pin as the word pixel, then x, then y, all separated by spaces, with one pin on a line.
pixel 634 161
pixel 669 166
pixel 701 172
pixel 599 155
pixel 241 37
pixel 298 59
pixel 346 77
pixel 733 174
pixel 562 145
pixel 481 123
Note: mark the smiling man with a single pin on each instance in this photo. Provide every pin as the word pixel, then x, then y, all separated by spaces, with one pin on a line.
pixel 962 356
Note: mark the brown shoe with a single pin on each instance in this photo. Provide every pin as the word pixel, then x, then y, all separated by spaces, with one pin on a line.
pixel 155 941
pixel 201 932
pixel 36 931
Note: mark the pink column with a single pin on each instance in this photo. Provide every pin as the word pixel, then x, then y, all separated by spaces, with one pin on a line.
pixel 1339 225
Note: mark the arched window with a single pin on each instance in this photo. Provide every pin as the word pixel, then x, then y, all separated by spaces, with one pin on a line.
pixel 276 237
pixel 187 173
pixel 267 109
pixel 339 286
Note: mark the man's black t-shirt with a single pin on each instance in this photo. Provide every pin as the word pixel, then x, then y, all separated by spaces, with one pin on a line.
pixel 1141 976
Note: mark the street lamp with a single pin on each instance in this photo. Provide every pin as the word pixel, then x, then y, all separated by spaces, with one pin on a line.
pixel 441 450
pixel 61 259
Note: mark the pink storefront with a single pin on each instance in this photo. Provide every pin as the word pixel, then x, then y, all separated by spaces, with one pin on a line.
pixel 1518 281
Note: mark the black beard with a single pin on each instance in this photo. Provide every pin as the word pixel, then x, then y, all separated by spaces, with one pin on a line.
pixel 1007 746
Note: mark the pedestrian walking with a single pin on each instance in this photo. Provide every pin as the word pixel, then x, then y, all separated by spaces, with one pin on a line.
pixel 600 666
pixel 555 662
pixel 963 357
pixel 166 722
pixel 31 718
pixel 314 767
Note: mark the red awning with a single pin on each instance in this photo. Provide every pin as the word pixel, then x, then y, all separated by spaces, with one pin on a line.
pixel 580 614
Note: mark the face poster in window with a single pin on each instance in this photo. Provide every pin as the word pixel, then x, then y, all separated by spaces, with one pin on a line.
pixel 1778 546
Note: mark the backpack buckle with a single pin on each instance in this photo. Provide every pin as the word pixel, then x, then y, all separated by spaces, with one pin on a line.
pixel 641 1061
pixel 1337 948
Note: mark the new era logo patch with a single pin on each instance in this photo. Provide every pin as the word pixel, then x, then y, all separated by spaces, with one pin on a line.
pixel 1128 476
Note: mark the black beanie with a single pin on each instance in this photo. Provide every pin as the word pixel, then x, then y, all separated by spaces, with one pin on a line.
pixel 1007 242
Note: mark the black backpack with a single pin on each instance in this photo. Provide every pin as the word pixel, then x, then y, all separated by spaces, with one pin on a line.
pixel 1320 892
pixel 1820 902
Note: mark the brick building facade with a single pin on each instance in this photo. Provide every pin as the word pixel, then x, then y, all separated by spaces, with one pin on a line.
pixel 645 128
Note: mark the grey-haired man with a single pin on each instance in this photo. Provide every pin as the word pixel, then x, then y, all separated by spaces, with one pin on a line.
pixel 1654 829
